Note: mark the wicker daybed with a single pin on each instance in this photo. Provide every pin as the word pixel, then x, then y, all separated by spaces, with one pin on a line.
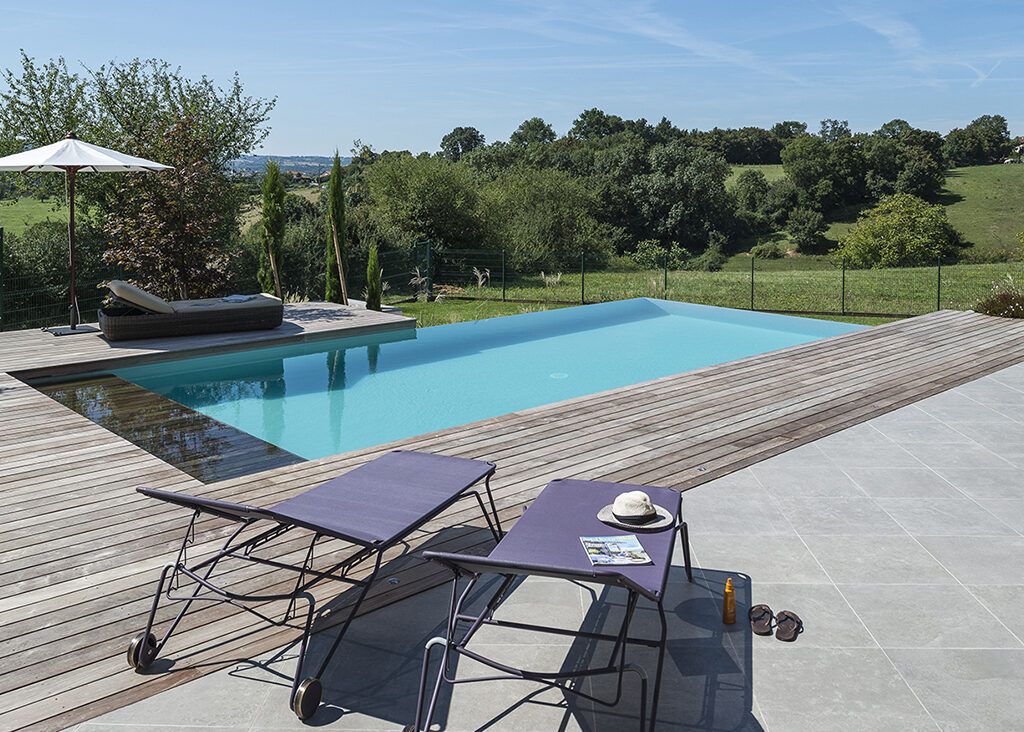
pixel 136 314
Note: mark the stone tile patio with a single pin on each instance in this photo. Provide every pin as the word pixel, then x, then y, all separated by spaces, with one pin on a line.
pixel 898 541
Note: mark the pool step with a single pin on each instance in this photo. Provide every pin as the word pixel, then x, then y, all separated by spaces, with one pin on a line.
pixel 196 444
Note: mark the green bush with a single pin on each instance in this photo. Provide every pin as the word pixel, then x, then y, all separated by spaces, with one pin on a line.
pixel 650 254
pixel 1005 301
pixel 768 250
pixel 805 227
pixel 374 285
pixel 901 231
pixel 711 259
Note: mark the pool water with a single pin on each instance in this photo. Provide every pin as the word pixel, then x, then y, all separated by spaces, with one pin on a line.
pixel 323 398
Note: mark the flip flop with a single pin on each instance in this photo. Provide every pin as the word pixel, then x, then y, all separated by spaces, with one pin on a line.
pixel 789 626
pixel 761 618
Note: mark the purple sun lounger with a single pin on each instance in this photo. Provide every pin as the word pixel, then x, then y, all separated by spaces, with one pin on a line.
pixel 545 542
pixel 374 507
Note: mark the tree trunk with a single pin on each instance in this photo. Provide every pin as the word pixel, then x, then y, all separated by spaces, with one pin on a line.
pixel 341 264
pixel 273 268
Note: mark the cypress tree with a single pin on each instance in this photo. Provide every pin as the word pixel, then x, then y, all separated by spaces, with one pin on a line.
pixel 374 287
pixel 336 290
pixel 272 234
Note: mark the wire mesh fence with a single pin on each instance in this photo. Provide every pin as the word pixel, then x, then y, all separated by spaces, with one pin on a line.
pixel 425 270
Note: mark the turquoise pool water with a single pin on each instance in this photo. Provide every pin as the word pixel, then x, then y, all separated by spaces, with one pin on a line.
pixel 327 397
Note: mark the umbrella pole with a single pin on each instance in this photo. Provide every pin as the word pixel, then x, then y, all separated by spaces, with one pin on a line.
pixel 72 295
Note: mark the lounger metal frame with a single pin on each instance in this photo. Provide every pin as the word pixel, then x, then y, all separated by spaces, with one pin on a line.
pixel 454 645
pixel 305 691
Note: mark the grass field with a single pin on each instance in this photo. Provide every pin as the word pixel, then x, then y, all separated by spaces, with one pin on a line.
pixel 446 312
pixel 18 214
pixel 771 172
pixel 778 285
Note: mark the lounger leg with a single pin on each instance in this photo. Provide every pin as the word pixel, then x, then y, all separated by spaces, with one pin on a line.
pixel 494 510
pixel 684 538
pixel 661 662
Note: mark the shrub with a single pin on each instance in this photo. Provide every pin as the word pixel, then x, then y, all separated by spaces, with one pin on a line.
pixel 711 259
pixel 1006 300
pixel 805 227
pixel 901 231
pixel 768 250
pixel 650 254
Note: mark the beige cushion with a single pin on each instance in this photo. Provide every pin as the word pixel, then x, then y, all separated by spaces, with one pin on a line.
pixel 218 303
pixel 140 298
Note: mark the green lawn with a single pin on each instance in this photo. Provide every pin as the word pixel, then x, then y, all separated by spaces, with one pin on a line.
pixel 457 311
pixel 771 172
pixel 18 214
pixel 778 285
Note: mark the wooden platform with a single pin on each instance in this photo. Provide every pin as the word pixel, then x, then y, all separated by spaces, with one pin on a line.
pixel 80 551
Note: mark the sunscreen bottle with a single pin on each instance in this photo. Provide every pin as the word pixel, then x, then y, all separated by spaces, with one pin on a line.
pixel 729 603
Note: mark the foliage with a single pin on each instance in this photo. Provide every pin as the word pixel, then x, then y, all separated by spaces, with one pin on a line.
pixel 272 223
pixel 334 268
pixel 460 141
pixel 650 254
pixel 1005 301
pixel 805 227
pixel 713 258
pixel 410 200
pixel 767 250
pixel 985 140
pixel 174 231
pixel 543 218
pixel 901 231
pixel 533 131
pixel 374 286
pixel 750 190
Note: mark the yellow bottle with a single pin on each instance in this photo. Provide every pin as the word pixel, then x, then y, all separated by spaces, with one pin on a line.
pixel 729 603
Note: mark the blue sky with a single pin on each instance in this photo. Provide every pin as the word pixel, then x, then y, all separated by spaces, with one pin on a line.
pixel 399 74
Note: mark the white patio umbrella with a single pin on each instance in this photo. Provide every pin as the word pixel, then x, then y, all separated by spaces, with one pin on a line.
pixel 72 156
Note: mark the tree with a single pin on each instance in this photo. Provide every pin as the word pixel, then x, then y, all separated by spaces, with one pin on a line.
pixel 533 130
pixel 750 190
pixel 272 222
pixel 834 129
pixel 187 228
pixel 985 140
pixel 901 231
pixel 805 227
pixel 593 124
pixel 460 141
pixel 374 280
pixel 336 289
pixel 788 130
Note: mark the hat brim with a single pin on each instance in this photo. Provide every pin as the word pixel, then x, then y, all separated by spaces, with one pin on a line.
pixel 663 519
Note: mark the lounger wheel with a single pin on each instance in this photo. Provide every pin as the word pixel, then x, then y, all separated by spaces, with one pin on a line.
pixel 142 651
pixel 307 698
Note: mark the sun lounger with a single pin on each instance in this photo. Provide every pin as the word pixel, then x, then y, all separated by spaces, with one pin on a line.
pixel 545 542
pixel 374 507
pixel 143 315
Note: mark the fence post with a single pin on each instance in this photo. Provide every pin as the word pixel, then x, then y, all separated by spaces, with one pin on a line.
pixel 938 283
pixel 429 275
pixel 752 281
pixel 503 275
pixel 664 287
pixel 583 278
pixel 842 306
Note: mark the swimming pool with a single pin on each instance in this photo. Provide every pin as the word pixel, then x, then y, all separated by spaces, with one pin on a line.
pixel 322 398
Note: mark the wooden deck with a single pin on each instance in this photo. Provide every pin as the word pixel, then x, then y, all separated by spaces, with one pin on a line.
pixel 80 551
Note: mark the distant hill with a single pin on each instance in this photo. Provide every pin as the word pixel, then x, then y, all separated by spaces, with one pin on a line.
pixel 309 165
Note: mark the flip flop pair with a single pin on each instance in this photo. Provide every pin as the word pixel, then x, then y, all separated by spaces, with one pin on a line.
pixel 787 624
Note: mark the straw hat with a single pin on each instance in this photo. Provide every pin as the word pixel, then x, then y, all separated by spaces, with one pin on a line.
pixel 634 510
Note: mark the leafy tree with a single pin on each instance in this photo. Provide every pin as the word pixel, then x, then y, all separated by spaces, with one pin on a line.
pixel 713 258
pixel 412 200
pixel 902 230
pixel 834 129
pixel 805 227
pixel 543 219
pixel 593 124
pixel 533 130
pixel 751 190
pixel 788 130
pixel 460 141
pixel 374 281
pixel 985 140
pixel 682 198
pixel 336 289
pixel 272 223
pixel 782 197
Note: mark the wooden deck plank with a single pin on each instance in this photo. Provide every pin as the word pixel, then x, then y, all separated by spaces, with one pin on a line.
pixel 679 431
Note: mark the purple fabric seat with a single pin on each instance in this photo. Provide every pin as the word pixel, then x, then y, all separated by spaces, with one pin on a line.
pixel 383 500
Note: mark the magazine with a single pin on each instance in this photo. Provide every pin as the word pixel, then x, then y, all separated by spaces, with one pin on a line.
pixel 611 550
